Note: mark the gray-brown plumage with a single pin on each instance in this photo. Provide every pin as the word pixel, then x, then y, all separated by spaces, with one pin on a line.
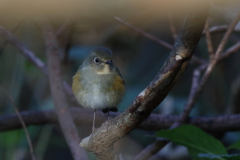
pixel 98 83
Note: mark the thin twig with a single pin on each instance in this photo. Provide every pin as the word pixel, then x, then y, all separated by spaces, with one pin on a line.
pixel 155 39
pixel 5 42
pixel 147 35
pixel 209 41
pixel 26 52
pixel 216 29
pixel 23 49
pixel 229 51
pixel 60 102
pixel 21 120
pixel 193 91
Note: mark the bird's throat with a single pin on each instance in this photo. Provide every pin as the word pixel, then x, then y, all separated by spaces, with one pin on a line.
pixel 105 70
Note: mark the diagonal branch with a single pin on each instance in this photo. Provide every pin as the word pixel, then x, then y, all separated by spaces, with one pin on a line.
pixel 24 50
pixel 216 29
pixel 101 142
pixel 5 42
pixel 147 35
pixel 60 102
pixel 229 51
pixel 192 17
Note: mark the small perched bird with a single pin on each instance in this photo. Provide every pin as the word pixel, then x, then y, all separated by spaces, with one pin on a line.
pixel 98 83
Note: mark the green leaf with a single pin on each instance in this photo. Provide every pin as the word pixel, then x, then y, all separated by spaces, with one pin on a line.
pixel 235 145
pixel 194 139
pixel 204 156
pixel 194 154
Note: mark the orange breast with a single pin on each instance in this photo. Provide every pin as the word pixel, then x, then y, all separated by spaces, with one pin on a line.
pixel 118 84
pixel 76 86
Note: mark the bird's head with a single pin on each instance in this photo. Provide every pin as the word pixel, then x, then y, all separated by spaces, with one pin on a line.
pixel 100 60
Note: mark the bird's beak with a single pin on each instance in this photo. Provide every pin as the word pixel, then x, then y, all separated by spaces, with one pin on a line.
pixel 108 62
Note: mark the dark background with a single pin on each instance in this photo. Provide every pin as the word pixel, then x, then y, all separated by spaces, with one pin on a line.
pixel 138 59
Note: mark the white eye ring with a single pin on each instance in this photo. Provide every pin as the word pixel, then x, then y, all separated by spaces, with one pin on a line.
pixel 96 60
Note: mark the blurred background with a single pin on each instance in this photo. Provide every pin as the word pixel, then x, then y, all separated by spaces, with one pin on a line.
pixel 89 24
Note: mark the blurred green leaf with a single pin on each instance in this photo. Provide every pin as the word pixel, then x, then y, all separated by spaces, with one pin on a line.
pixel 196 140
pixel 235 145
pixel 194 154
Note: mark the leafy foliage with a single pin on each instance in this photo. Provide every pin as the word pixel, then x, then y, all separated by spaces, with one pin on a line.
pixel 200 145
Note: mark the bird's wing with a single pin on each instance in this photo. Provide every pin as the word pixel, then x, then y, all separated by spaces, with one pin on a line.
pixel 118 73
pixel 80 67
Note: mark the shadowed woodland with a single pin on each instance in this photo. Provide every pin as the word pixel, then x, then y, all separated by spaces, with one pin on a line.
pixel 179 61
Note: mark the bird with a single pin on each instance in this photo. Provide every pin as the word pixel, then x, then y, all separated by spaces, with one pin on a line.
pixel 98 83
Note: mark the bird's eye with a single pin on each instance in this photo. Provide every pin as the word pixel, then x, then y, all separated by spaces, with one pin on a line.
pixel 96 60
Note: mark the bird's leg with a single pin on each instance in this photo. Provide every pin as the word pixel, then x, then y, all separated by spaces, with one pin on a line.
pixel 108 121
pixel 93 127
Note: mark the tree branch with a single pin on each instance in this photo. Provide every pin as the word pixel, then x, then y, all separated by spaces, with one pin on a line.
pixel 5 42
pixel 216 29
pixel 153 123
pixel 229 51
pixel 194 17
pixel 153 95
pixel 66 122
